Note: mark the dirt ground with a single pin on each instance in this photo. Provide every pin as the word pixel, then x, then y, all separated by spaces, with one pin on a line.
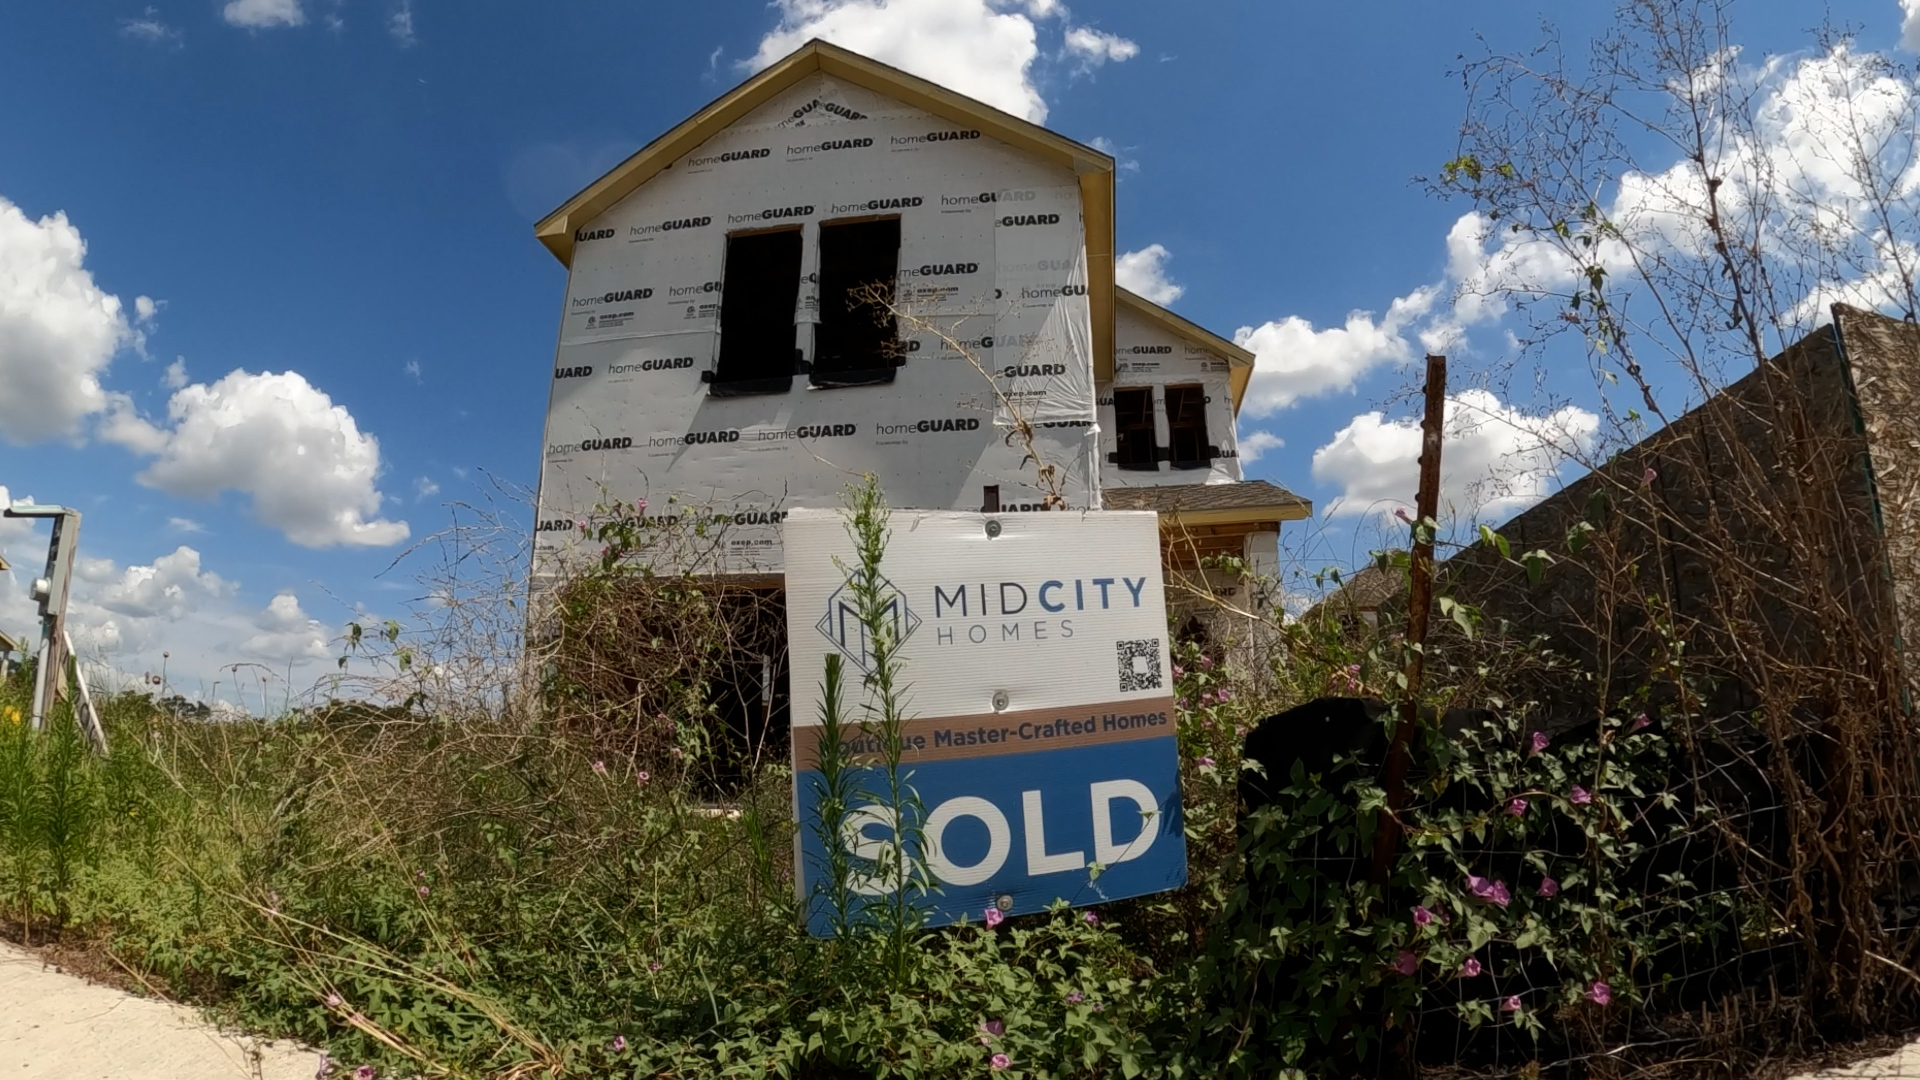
pixel 57 1026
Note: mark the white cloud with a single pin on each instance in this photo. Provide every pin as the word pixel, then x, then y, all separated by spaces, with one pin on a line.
pixel 171 588
pixel 176 374
pixel 1910 25
pixel 145 307
pixel 185 525
pixel 1256 443
pixel 304 462
pixel 412 368
pixel 261 14
pixel 286 633
pixel 984 49
pixel 1498 459
pixel 1090 48
pixel 150 29
pixel 423 488
pixel 400 24
pixel 1144 273
pixel 1292 360
pixel 58 330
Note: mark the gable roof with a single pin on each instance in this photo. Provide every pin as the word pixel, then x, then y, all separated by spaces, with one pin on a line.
pixel 1093 168
pixel 1240 361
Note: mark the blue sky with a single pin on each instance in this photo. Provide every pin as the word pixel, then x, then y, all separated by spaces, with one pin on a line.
pixel 340 193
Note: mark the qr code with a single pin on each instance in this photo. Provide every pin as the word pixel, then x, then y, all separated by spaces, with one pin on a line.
pixel 1139 664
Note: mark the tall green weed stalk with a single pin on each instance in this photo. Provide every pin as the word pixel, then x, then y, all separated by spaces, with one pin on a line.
pixel 900 883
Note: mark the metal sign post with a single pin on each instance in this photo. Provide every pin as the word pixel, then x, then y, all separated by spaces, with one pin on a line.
pixel 50 592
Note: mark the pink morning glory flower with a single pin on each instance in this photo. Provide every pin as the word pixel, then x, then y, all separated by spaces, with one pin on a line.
pixel 1422 917
pixel 1092 918
pixel 994 917
pixel 1549 887
pixel 618 1044
pixel 1493 891
pixel 1469 969
pixel 600 768
pixel 1647 478
pixel 1205 760
pixel 999 1061
pixel 1639 722
pixel 1517 807
pixel 995 1028
pixel 1579 796
pixel 1538 742
pixel 1406 963
pixel 1512 1004
pixel 1076 997
pixel 1600 993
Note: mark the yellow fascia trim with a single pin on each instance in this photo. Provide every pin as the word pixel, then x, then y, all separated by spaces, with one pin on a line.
pixel 1240 361
pixel 1094 169
pixel 1239 515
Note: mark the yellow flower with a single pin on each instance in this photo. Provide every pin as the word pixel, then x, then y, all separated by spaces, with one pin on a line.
pixel 13 715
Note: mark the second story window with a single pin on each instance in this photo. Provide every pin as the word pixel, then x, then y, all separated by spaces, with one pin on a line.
pixel 1133 428
pixel 756 313
pixel 856 341
pixel 1187 446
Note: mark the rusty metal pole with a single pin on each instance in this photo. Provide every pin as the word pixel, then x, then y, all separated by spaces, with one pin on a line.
pixel 1419 604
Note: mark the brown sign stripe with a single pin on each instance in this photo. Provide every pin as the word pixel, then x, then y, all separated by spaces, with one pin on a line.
pixel 993 734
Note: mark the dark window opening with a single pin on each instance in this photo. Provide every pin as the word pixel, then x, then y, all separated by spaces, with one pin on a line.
pixel 1187 446
pixel 990 498
pixel 1133 429
pixel 856 341
pixel 756 314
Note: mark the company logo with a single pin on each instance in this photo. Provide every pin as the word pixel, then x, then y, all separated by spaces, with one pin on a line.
pixel 752 517
pixel 572 372
pixel 730 155
pixel 1029 371
pixel 984 197
pixel 555 525
pixel 589 445
pixel 581 236
pixel 843 626
pixel 933 137
pixel 951 423
pixel 950 269
pixel 696 438
pixel 616 296
pixel 823 431
pixel 829 144
pixel 805 431
pixel 902 203
pixel 657 364
pixel 690 290
pixel 1014 221
pixel 1143 350
pixel 1051 292
pixel 670 225
pixel 780 213
pixel 829 107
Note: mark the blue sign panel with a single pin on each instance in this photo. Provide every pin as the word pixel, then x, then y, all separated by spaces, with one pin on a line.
pixel 1019 831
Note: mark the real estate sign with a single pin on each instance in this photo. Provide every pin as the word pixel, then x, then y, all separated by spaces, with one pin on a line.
pixel 1040 742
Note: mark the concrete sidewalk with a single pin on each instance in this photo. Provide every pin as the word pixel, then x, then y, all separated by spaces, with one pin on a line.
pixel 55 1026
